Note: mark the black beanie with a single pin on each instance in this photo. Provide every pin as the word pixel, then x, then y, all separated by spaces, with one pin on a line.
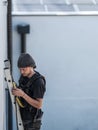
pixel 25 60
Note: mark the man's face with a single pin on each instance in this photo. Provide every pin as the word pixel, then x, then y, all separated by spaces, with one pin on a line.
pixel 25 71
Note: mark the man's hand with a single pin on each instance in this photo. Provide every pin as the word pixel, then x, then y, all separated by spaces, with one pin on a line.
pixel 18 92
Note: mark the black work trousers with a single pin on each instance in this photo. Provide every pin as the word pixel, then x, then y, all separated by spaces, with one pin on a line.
pixel 30 129
pixel 36 125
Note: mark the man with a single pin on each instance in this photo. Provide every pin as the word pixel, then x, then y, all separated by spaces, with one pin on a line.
pixel 31 92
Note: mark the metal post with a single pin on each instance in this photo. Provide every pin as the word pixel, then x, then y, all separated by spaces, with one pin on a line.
pixel 9 55
pixel 23 29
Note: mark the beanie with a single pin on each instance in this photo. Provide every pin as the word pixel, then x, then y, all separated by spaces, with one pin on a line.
pixel 25 60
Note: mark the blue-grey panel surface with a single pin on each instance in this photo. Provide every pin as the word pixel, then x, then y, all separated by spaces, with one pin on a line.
pixel 65 49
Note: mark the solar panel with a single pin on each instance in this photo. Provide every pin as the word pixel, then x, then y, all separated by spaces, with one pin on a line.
pixel 88 7
pixel 60 7
pixel 54 1
pixel 97 1
pixel 55 5
pixel 80 1
pixel 30 7
pixel 26 1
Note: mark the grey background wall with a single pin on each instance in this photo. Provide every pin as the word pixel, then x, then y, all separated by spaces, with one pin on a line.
pixel 65 49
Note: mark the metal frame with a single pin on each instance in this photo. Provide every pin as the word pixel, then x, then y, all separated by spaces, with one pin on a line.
pixel 77 13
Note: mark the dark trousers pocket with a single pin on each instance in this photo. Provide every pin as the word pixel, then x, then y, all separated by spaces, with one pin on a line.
pixel 30 129
pixel 37 124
